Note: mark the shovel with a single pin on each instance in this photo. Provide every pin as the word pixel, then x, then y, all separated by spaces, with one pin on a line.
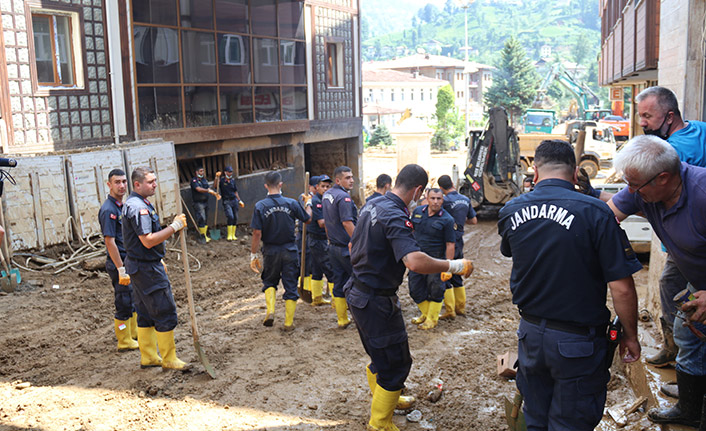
pixel 303 293
pixel 181 205
pixel 189 294
pixel 9 278
pixel 215 232
pixel 513 413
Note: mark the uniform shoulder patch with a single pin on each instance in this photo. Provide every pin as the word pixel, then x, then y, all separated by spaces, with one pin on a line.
pixel 408 224
pixel 144 211
pixel 347 199
pixel 113 216
pixel 319 205
pixel 417 216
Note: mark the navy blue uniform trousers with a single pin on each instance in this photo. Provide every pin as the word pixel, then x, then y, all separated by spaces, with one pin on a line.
pixel 282 264
pixel 230 207
pixel 562 377
pixel 318 255
pixel 153 296
pixel 123 294
pixel 456 280
pixel 341 267
pixel 381 328
pixel 426 287
pixel 200 213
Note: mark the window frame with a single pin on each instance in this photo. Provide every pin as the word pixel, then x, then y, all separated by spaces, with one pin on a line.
pixel 339 68
pixel 74 14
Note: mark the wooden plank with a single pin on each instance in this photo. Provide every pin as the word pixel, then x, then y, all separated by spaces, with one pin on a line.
pixel 36 191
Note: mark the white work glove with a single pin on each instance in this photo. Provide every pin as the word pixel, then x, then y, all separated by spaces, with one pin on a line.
pixel 178 223
pixel 462 267
pixel 255 263
pixel 123 278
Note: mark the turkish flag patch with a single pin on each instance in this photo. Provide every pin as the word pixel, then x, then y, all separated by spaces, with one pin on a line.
pixel 144 211
pixel 319 205
pixel 347 199
pixel 408 224
pixel 113 216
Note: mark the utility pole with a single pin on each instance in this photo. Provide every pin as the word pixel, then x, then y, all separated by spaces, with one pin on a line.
pixel 466 76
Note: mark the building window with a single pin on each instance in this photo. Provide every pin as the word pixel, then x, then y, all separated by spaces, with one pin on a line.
pixel 402 95
pixel 210 164
pixel 262 160
pixel 392 95
pixel 57 49
pixel 334 64
pixel 421 94
pixel 371 98
pixel 411 95
pixel 209 63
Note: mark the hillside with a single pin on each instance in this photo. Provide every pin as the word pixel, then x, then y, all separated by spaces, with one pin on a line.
pixel 570 27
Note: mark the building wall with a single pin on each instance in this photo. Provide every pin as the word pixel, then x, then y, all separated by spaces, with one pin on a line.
pixel 673 42
pixel 64 118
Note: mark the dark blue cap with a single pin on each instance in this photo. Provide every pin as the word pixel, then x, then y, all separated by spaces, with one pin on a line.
pixel 228 169
pixel 314 180
pixel 325 177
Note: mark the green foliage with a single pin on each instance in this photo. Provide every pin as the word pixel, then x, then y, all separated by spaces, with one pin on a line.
pixel 449 124
pixel 515 82
pixel 381 136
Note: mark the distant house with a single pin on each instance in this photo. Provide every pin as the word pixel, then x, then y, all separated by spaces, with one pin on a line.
pixel 433 46
pixel 447 69
pixel 545 51
pixel 387 94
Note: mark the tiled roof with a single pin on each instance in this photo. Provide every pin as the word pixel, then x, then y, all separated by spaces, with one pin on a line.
pixel 384 75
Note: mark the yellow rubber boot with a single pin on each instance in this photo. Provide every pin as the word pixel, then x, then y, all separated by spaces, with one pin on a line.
pixel 342 312
pixel 270 301
pixel 133 326
pixel 432 316
pixel 372 379
pixel 449 305
pixel 204 231
pixel 424 308
pixel 382 408
pixel 147 339
pixel 122 333
pixel 233 234
pixel 460 297
pixel 307 283
pixel 165 342
pixel 317 293
pixel 229 237
pixel 330 292
pixel 290 306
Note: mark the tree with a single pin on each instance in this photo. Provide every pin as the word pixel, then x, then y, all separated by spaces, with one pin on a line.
pixel 445 128
pixel 428 13
pixel 516 81
pixel 381 135
pixel 579 51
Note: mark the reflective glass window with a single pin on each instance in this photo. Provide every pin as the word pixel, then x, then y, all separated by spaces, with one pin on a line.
pixel 293 61
pixel 234 58
pixel 264 18
pixel 155 11
pixel 294 103
pixel 236 105
pixel 232 15
pixel 160 108
pixel 156 54
pixel 196 13
pixel 199 50
pixel 290 15
pixel 201 106
pixel 267 104
pixel 265 61
pixel 43 48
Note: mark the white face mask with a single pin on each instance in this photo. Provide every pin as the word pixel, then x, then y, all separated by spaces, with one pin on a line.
pixel 413 203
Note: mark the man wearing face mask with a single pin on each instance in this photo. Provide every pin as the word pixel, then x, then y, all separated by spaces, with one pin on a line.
pixel 340 218
pixel 660 116
pixel 199 196
pixel 231 201
pixel 383 247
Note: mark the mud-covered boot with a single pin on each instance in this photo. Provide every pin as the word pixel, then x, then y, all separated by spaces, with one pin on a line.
pixel 424 308
pixel 668 353
pixel 687 410
pixel 449 305
pixel 165 342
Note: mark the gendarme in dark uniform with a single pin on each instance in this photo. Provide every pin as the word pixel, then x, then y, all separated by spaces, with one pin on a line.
pixel 275 216
pixel 565 248
pixel 231 201
pixel 338 206
pixel 460 208
pixel 373 196
pixel 432 234
pixel 317 242
pixel 200 200
pixel 110 218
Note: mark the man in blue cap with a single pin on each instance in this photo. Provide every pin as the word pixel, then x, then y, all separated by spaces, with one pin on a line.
pixel 231 201
pixel 318 243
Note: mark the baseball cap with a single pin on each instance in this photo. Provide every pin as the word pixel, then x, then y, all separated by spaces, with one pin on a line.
pixel 228 169
pixel 314 180
pixel 325 178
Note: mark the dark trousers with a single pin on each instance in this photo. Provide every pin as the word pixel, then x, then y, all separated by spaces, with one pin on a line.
pixel 341 267
pixel 123 294
pixel 307 258
pixel 230 207
pixel 456 280
pixel 318 255
pixel 154 301
pixel 284 265
pixel 426 287
pixel 200 213
pixel 562 377
pixel 670 283
pixel 381 328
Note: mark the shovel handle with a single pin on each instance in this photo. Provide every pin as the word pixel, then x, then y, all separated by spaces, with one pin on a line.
pixel 187 275
pixel 302 271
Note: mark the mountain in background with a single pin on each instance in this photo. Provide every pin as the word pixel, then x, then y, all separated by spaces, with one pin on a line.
pixel 386 16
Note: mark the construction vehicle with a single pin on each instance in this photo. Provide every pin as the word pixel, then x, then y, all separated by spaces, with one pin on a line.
pixel 539 121
pixel 493 175
pixel 586 111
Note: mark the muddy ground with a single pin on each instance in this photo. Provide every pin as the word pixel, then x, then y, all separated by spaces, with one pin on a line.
pixel 61 342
